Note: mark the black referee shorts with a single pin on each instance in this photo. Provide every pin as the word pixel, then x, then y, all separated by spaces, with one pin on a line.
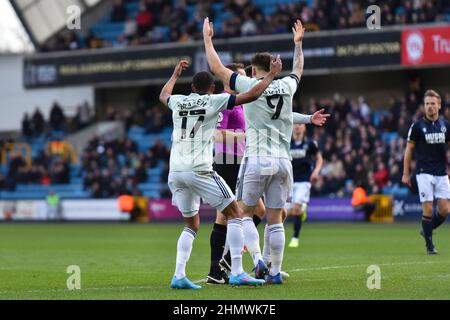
pixel 229 172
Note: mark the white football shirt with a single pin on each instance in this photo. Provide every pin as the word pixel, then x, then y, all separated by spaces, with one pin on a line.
pixel 195 120
pixel 268 119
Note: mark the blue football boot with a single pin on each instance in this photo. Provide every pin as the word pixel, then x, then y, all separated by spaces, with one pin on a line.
pixel 276 279
pixel 183 283
pixel 261 270
pixel 245 280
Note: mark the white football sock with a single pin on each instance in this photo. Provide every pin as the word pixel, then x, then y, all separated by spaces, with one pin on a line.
pixel 251 239
pixel 277 240
pixel 235 238
pixel 184 249
pixel 226 248
pixel 266 247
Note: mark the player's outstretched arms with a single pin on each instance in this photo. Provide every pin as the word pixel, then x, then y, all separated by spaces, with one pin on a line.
pixel 219 70
pixel 318 118
pixel 166 91
pixel 406 161
pixel 298 62
pixel 275 68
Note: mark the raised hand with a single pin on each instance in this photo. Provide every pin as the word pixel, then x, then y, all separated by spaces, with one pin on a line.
pixel 208 30
pixel 298 31
pixel 276 65
pixel 180 67
pixel 319 117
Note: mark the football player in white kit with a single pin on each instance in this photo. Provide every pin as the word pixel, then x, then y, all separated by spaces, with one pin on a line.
pixel 266 169
pixel 191 176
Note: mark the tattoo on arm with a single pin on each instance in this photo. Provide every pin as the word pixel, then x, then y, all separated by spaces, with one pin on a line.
pixel 297 65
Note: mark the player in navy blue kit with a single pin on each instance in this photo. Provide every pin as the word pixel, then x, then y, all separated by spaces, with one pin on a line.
pixel 306 164
pixel 428 138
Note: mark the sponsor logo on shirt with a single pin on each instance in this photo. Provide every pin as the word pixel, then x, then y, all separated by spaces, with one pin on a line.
pixel 435 138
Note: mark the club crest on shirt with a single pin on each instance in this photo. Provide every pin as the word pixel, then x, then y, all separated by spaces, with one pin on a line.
pixel 443 129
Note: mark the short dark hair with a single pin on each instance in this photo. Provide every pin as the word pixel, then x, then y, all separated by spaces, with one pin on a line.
pixel 202 81
pixel 234 66
pixel 432 93
pixel 261 60
pixel 248 70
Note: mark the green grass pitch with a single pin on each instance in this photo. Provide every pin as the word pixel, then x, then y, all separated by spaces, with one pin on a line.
pixel 124 261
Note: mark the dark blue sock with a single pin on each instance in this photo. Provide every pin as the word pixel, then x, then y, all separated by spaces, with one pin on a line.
pixel 437 220
pixel 297 226
pixel 427 228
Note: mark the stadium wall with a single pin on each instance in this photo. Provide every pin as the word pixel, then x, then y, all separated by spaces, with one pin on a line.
pixel 72 210
pixel 405 208
pixel 15 100
pixel 376 87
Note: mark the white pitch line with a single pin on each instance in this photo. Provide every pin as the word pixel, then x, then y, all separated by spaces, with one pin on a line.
pixel 352 266
pixel 366 265
pixel 82 289
pixel 204 280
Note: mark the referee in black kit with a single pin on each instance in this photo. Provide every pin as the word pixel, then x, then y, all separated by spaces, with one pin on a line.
pixel 428 137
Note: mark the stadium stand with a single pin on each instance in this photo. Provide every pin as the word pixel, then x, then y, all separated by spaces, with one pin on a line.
pixel 361 143
pixel 134 22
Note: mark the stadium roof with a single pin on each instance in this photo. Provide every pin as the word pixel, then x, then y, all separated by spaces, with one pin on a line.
pixel 44 18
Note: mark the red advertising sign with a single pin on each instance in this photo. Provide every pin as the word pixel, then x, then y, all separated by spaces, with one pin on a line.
pixel 421 46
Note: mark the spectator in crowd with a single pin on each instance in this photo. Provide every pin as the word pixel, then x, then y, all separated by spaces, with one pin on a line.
pixel 361 202
pixel 243 17
pixel 361 147
pixel 130 28
pixel 57 117
pixel 93 42
pixel 26 126
pixel 38 122
pixel 54 208
pixel 119 12
pixel 144 20
pixel 83 116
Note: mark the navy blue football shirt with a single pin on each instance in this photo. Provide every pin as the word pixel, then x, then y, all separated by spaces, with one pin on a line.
pixel 303 158
pixel 430 145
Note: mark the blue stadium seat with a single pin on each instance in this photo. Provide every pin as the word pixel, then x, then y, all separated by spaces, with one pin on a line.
pixel 154 178
pixel 132 6
pixel 190 10
pixel 389 136
pixel 136 130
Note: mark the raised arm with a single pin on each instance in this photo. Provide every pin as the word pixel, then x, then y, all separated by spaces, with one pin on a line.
pixel 300 118
pixel 166 91
pixel 297 64
pixel 318 118
pixel 275 68
pixel 214 62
